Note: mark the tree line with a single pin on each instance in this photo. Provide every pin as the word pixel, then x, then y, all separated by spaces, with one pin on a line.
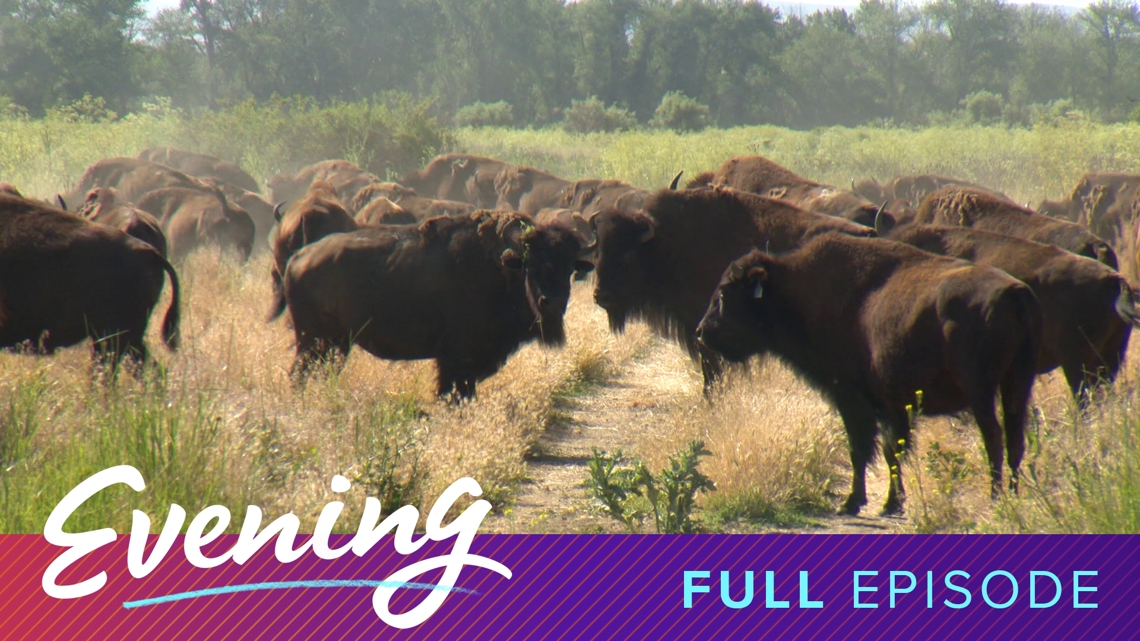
pixel 885 62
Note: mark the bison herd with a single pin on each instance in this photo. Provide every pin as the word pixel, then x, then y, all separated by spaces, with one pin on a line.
pixel 926 292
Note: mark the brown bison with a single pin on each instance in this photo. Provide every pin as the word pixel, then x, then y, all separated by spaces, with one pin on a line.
pixel 759 175
pixel 411 209
pixel 308 220
pixel 527 190
pixel 381 211
pixel 259 210
pixel 193 218
pixel 965 207
pixel 469 179
pixel 104 206
pixel 912 189
pixel 591 196
pixel 1088 307
pixel 1107 203
pixel 202 166
pixel 133 178
pixel 901 330
pixel 64 279
pixel 392 191
pixel 465 291
pixel 662 265
pixel 341 175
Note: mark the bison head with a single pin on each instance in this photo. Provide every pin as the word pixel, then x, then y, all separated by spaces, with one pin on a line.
pixel 545 256
pixel 621 237
pixel 736 313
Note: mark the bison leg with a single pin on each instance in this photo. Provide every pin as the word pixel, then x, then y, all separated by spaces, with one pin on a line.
pixel 859 422
pixel 896 439
pixel 992 435
pixel 712 368
pixel 108 352
pixel 454 382
pixel 1015 392
pixel 312 351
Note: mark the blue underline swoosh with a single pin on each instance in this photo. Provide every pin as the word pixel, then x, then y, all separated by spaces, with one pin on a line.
pixel 286 585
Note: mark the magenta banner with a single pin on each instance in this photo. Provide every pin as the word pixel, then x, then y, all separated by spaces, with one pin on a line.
pixel 586 586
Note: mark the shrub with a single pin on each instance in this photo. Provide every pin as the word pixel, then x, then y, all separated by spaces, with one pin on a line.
pixel 484 114
pixel 670 494
pixel 389 134
pixel 680 113
pixel 983 107
pixel 591 115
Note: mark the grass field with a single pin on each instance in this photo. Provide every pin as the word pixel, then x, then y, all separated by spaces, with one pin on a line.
pixel 220 423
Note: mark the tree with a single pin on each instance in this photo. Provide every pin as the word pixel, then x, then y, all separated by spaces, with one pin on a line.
pixel 1113 27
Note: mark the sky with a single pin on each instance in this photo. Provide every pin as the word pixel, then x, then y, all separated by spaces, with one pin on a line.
pixel 153 6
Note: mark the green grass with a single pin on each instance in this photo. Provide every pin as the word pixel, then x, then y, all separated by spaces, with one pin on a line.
pixel 1027 164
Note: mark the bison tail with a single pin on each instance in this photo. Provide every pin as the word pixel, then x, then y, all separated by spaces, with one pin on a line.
pixel 1126 305
pixel 173 320
pixel 278 306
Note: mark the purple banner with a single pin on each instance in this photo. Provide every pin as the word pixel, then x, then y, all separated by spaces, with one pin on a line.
pixel 588 586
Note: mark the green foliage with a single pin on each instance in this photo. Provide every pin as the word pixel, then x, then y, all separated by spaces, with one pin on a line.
pixel 680 113
pixel 591 115
pixel 165 432
pixel 983 107
pixel 389 442
pixel 884 61
pixel 384 136
pixel 670 495
pixel 482 114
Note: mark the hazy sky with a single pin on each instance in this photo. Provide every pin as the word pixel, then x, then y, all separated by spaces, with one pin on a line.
pixel 152 6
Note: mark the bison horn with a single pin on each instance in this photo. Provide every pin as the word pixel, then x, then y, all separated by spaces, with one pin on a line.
pixel 676 179
pixel 646 235
pixel 589 249
pixel 737 271
pixel 884 223
pixel 277 211
pixel 61 201
pixel 852 184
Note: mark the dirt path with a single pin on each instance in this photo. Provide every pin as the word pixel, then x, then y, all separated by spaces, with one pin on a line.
pixel 628 412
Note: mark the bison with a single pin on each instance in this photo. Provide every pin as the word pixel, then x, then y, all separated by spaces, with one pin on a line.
pixel 104 206
pixel 64 279
pixel 381 211
pixel 760 175
pixel 1088 307
pixel 901 331
pixel 661 265
pixel 965 207
pixel 466 291
pixel 591 196
pixel 193 218
pixel 308 220
pixel 133 178
pixel 342 175
pixel 392 191
pixel 469 179
pixel 259 210
pixel 201 166
pixel 527 190
pixel 1106 203
pixel 912 189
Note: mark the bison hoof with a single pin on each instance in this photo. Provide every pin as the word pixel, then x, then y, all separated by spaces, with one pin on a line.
pixel 851 507
pixel 892 509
